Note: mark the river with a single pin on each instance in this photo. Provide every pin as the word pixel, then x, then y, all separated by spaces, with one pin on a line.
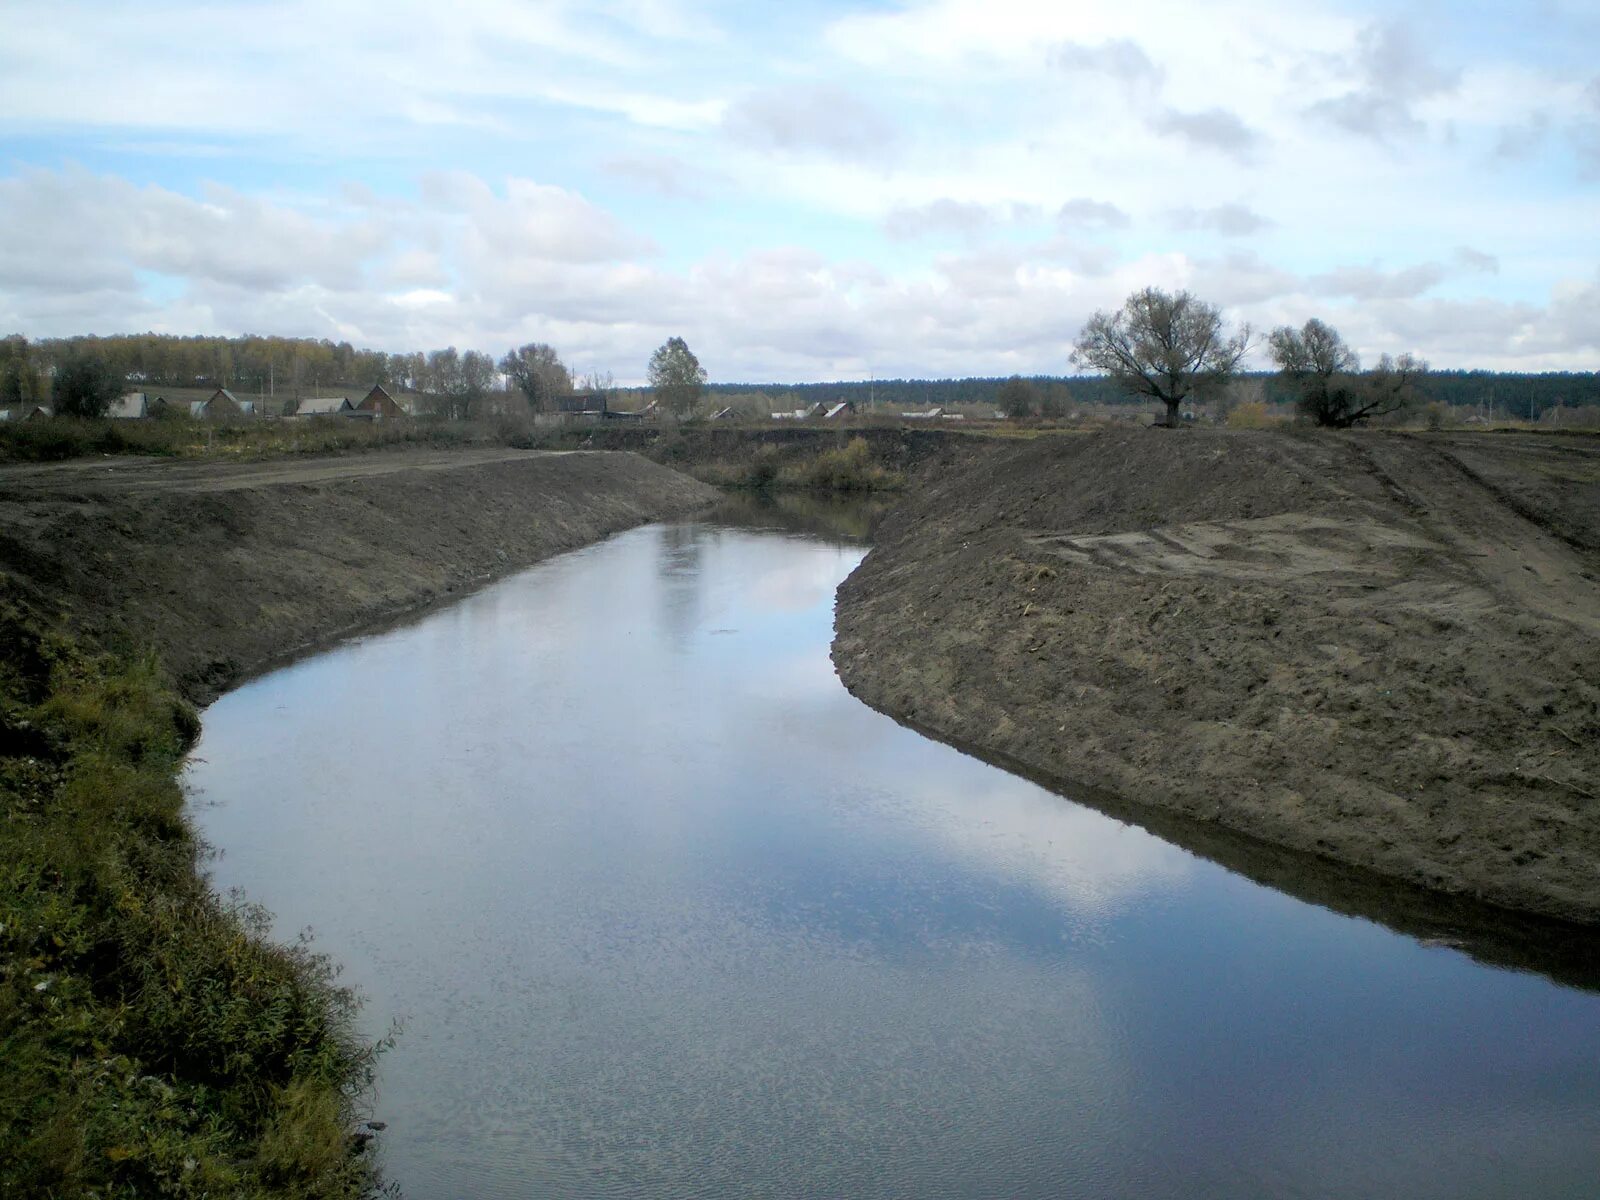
pixel 661 910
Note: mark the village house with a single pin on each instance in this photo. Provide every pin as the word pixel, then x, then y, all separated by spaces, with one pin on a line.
pixel 575 408
pixel 221 405
pixel 131 406
pixel 325 406
pixel 381 404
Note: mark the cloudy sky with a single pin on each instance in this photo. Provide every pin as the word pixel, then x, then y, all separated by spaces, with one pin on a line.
pixel 810 190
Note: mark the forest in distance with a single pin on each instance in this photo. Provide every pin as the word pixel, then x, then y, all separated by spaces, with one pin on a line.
pixel 292 368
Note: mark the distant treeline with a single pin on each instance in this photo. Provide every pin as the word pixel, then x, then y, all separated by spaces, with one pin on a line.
pixel 1508 394
pixel 286 367
pixel 294 367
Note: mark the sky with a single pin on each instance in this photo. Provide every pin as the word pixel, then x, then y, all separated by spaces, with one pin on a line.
pixel 808 191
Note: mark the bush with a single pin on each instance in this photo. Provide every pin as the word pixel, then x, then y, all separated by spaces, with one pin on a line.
pixel 1253 414
pixel 153 1040
pixel 847 468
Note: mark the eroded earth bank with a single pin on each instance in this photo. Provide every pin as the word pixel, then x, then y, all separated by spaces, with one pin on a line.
pixel 1382 650
pixel 223 568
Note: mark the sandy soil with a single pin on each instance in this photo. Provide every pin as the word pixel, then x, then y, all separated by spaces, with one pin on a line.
pixel 1380 649
pixel 224 568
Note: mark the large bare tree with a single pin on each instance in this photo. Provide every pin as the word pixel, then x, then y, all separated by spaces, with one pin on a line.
pixel 1169 346
pixel 538 370
pixel 1330 386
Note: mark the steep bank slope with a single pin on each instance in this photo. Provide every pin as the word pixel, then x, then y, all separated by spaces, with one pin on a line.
pixel 223 567
pixel 1382 650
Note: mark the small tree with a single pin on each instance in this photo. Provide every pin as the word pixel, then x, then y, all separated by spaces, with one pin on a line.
pixel 538 370
pixel 1018 397
pixel 459 383
pixel 1326 376
pixel 676 375
pixel 1169 347
pixel 85 386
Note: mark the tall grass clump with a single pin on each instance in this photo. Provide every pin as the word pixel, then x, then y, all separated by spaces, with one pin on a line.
pixel 1253 414
pixel 847 468
pixel 153 1040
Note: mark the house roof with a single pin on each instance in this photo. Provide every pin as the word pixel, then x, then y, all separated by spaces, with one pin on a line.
pixel 225 394
pixel 128 407
pixel 322 406
pixel 838 408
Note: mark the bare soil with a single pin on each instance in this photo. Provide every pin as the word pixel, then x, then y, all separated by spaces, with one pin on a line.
pixel 224 568
pixel 1380 649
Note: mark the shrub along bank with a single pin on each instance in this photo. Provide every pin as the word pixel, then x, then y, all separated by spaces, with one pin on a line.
pixel 152 1039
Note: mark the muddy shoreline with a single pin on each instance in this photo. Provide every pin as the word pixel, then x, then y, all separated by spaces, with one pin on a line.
pixel 1352 647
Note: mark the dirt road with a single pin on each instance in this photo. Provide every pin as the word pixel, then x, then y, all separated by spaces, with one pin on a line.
pixel 111 474
pixel 1380 649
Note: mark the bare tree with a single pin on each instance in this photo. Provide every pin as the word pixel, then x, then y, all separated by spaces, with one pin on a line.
pixel 1328 381
pixel 1171 347
pixel 459 383
pixel 538 370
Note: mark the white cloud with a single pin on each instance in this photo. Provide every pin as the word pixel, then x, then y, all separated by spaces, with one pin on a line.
pixel 832 120
pixel 1083 213
pixel 1230 220
pixel 1214 128
pixel 1394 71
pixel 937 186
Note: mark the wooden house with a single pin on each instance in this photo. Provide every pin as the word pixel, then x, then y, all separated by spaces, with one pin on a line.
pixel 131 406
pixel 381 404
pixel 325 406
pixel 586 403
pixel 221 405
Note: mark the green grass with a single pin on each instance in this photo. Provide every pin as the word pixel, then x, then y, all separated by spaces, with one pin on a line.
pixel 153 1039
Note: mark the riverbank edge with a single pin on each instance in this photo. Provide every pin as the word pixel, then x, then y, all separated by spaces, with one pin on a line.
pixel 964 623
pixel 152 1037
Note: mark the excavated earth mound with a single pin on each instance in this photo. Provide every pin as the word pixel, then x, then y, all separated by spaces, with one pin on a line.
pixel 1383 650
pixel 224 568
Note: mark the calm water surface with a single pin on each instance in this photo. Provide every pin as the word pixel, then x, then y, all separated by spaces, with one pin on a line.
pixel 665 912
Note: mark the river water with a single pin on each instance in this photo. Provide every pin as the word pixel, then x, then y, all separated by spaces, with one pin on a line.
pixel 663 911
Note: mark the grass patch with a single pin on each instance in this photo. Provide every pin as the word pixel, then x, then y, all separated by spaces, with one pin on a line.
pixel 153 1040
pixel 847 468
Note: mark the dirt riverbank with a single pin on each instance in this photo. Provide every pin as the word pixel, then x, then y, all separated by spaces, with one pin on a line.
pixel 222 568
pixel 1382 650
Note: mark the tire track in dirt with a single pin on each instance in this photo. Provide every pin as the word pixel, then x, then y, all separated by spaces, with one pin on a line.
pixel 1519 559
